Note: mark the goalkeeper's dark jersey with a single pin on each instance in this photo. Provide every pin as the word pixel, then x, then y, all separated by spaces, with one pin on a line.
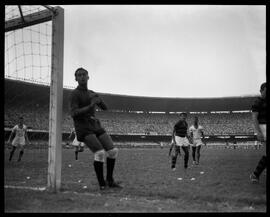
pixel 260 107
pixel 180 128
pixel 81 97
pixel 85 123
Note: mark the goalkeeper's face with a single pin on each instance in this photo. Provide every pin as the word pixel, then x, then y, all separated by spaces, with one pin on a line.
pixel 82 77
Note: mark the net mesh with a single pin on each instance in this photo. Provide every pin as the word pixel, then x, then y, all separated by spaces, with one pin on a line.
pixel 27 61
pixel 28 50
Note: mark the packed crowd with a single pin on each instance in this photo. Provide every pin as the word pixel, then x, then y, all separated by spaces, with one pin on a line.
pixel 233 123
pixel 37 117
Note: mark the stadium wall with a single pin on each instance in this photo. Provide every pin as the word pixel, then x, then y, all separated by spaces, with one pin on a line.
pixel 43 135
pixel 137 103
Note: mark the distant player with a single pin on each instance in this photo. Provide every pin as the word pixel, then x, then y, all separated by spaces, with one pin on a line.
pixel 259 117
pixel 257 144
pixel 196 134
pixel 234 144
pixel 20 132
pixel 177 152
pixel 226 143
pixel 89 130
pixel 180 139
pixel 79 146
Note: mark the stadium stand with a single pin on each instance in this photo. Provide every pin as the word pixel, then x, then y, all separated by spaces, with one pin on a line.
pixel 119 122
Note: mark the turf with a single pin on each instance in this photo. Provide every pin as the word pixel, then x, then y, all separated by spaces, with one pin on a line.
pixel 149 184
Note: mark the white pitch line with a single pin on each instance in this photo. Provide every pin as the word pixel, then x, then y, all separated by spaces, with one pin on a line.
pixel 26 188
pixel 83 193
pixel 44 188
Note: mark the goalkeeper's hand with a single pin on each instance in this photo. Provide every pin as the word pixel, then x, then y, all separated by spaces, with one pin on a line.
pixel 95 100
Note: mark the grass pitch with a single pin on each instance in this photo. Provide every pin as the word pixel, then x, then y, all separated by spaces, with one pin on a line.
pixel 219 184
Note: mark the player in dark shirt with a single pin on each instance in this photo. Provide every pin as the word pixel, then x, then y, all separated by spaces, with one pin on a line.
pixel 89 130
pixel 180 139
pixel 259 121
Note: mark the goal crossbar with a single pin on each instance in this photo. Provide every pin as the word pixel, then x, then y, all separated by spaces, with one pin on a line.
pixel 28 20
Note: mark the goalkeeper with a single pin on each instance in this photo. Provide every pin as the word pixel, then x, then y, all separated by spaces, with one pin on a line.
pixel 89 130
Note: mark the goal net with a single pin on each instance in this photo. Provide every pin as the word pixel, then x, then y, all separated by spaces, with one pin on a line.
pixel 33 90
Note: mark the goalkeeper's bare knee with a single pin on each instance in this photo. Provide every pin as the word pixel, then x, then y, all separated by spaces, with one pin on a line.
pixel 99 156
pixel 113 153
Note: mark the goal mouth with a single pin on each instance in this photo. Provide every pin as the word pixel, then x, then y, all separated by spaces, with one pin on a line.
pixel 34 41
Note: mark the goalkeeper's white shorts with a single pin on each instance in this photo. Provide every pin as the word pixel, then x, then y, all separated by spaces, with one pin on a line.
pixel 181 141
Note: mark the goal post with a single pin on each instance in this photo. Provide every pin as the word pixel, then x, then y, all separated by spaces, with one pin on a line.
pixel 56 16
pixel 56 101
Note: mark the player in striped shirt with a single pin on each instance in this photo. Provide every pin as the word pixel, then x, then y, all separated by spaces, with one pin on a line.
pixel 20 132
pixel 196 134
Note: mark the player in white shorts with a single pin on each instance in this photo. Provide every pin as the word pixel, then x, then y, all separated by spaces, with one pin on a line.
pixel 79 146
pixel 196 134
pixel 180 139
pixel 20 132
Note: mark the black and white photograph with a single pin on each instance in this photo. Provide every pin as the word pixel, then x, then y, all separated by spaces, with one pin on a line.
pixel 135 108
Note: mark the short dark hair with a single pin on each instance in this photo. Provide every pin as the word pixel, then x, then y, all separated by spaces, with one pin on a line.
pixel 263 85
pixel 183 113
pixel 79 70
